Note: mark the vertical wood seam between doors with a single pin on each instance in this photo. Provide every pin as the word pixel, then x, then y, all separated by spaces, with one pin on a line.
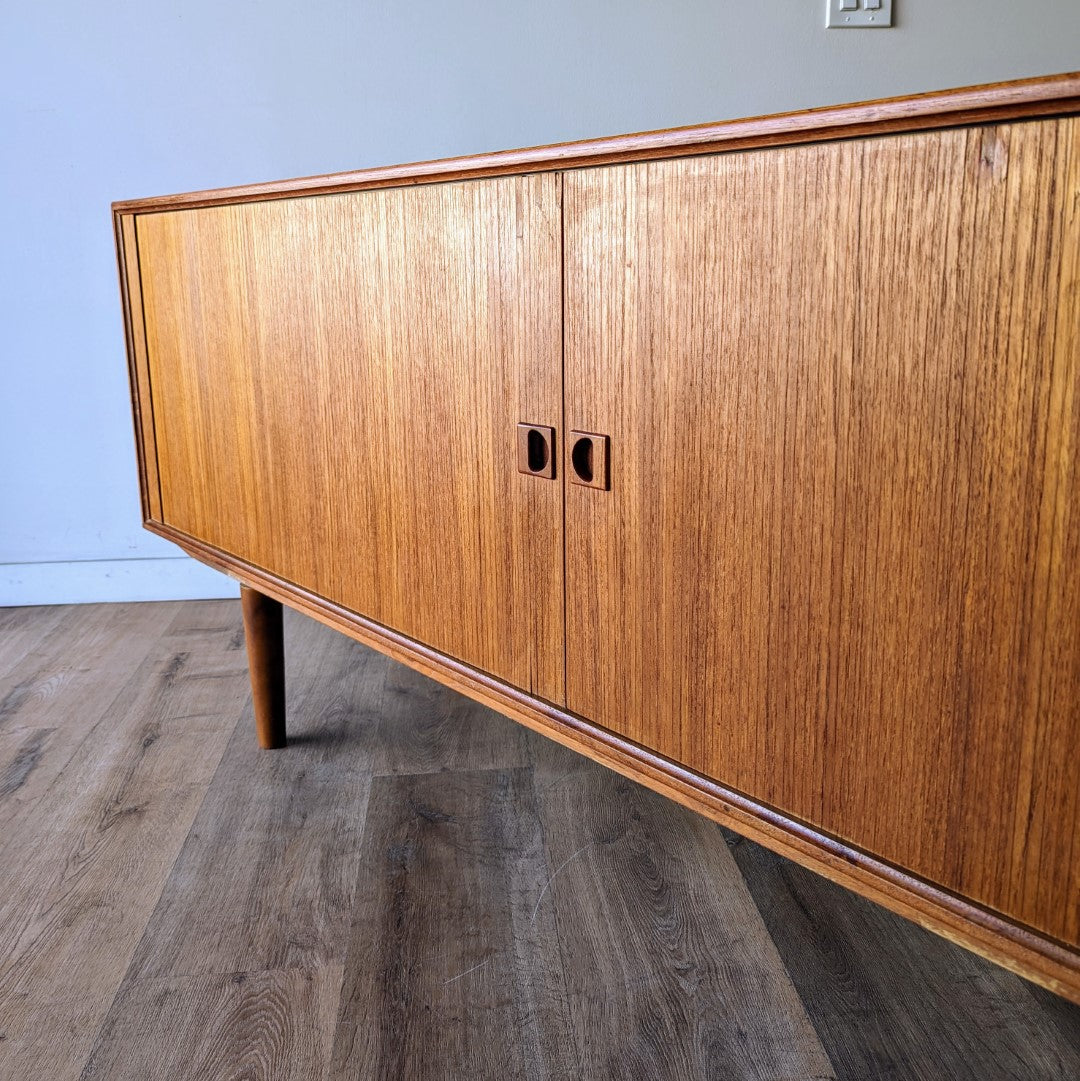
pixel 564 464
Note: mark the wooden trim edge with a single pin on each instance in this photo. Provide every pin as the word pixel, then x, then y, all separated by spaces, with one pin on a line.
pixel 1050 95
pixel 142 405
pixel 1017 948
pixel 129 348
pixel 121 266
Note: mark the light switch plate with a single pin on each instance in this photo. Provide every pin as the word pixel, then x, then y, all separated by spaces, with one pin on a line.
pixel 859 14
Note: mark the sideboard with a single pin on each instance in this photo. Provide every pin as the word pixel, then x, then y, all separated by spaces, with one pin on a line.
pixel 741 458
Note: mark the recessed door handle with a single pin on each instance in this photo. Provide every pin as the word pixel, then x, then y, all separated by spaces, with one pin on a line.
pixel 589 464
pixel 536 450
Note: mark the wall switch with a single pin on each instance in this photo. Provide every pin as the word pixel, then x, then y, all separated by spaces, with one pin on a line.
pixel 859 14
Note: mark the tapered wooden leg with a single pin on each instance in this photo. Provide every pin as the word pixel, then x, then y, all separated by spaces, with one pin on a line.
pixel 266 663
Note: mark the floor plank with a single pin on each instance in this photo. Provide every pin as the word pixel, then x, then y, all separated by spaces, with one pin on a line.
pixel 21 630
pixel 446 978
pixel 21 752
pixel 420 727
pixel 78 884
pixel 267 875
pixel 61 688
pixel 82 652
pixel 668 969
pixel 243 1026
pixel 893 1001
pixel 416 888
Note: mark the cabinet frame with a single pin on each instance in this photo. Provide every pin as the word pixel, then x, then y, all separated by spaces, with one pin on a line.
pixel 1036 956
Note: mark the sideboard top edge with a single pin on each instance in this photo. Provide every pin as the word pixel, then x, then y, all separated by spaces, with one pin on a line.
pixel 1044 96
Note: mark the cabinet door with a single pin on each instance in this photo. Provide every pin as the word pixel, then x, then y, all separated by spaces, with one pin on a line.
pixel 336 386
pixel 836 568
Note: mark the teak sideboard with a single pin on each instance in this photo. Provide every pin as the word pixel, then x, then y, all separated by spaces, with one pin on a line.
pixel 741 458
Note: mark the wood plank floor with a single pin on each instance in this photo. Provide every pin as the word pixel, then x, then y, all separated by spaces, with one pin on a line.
pixel 417 888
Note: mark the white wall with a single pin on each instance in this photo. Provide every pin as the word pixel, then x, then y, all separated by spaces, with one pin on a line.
pixel 136 97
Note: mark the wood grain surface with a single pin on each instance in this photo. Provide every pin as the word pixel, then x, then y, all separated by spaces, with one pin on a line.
pixel 20 637
pixel 447 975
pixel 872 985
pixel 994 102
pixel 75 660
pixel 829 597
pixel 648 906
pixel 834 569
pixel 273 853
pixel 138 726
pixel 1053 964
pixel 616 926
pixel 237 1026
pixel 266 665
pixel 142 398
pixel 337 385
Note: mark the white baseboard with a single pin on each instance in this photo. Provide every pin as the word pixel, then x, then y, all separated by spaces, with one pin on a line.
pixel 172 578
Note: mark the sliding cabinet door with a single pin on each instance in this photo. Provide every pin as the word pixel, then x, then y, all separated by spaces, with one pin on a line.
pixel 836 568
pixel 336 384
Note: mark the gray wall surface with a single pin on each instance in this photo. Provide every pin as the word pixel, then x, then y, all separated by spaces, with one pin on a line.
pixel 122 99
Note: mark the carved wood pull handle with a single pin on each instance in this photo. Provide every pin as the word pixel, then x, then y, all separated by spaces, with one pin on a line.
pixel 536 450
pixel 589 460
